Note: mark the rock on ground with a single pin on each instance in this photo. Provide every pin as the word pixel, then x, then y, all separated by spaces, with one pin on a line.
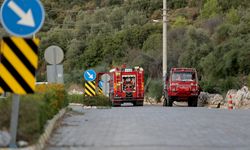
pixel 22 143
pixel 215 99
pixel 240 98
pixel 4 139
pixel 203 98
pixel 75 89
pixel 210 99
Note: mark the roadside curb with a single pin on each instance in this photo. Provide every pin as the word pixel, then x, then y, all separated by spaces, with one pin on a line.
pixel 47 132
pixel 90 107
pixel 45 136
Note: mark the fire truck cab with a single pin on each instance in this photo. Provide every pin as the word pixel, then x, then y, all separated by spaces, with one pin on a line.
pixel 182 85
pixel 126 85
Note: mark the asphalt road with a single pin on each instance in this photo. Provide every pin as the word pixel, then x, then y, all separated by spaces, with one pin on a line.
pixel 152 128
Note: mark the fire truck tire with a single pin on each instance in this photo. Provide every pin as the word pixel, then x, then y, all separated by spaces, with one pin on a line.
pixel 138 104
pixel 116 104
pixel 168 102
pixel 192 102
pixel 195 101
pixel 164 102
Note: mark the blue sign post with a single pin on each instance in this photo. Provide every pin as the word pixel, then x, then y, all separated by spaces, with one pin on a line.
pixel 22 18
pixel 90 75
pixel 100 84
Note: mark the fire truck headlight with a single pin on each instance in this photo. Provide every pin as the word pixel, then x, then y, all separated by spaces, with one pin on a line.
pixel 193 88
pixel 173 88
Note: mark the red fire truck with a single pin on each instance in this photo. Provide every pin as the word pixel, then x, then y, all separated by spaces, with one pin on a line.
pixel 127 85
pixel 182 85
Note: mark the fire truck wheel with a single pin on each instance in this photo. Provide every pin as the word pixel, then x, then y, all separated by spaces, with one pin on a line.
pixel 164 102
pixel 169 101
pixel 138 104
pixel 192 102
pixel 116 104
pixel 195 100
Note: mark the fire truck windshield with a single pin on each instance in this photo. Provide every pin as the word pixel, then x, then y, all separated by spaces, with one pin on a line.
pixel 183 76
pixel 128 83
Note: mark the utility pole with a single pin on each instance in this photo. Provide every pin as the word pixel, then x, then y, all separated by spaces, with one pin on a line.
pixel 164 62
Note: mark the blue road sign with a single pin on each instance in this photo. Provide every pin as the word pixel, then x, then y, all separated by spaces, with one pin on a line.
pixel 22 18
pixel 89 75
pixel 100 83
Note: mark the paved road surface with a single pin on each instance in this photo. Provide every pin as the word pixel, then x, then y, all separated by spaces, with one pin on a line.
pixel 153 128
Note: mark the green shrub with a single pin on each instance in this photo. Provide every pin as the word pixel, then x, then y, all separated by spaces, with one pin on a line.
pixel 175 4
pixel 155 89
pixel 233 16
pixel 210 9
pixel 76 98
pixel 220 85
pixel 35 110
pixel 229 83
pixel 180 21
pixel 29 126
pixel 96 101
pixel 209 85
pixel 5 107
pixel 99 100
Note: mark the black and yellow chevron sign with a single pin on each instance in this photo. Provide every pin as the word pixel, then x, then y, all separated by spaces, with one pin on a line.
pixel 90 88
pixel 100 92
pixel 18 64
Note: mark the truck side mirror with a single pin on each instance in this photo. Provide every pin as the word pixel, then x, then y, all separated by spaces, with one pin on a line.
pixel 167 78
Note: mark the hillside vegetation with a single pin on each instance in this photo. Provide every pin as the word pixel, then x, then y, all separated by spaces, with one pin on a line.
pixel 210 35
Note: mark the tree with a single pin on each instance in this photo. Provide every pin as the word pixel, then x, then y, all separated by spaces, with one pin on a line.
pixel 72 58
pixel 227 5
pixel 232 16
pixel 135 18
pixel 116 18
pixel 156 47
pixel 174 4
pixel 198 46
pixel 180 21
pixel 210 9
